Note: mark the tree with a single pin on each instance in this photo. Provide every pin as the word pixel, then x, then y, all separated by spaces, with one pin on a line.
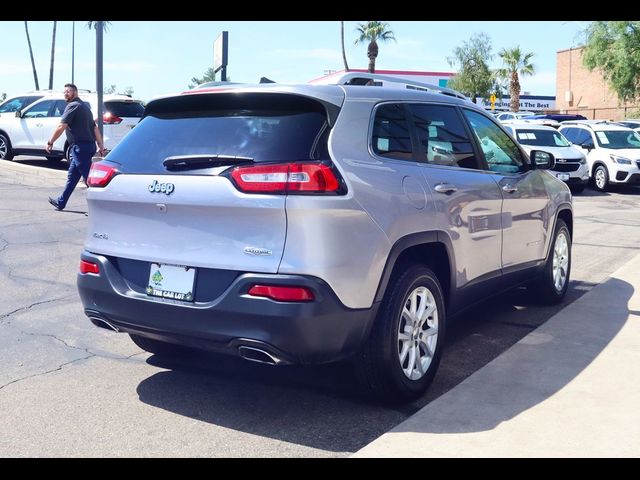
pixel 372 32
pixel 344 55
pixel 94 24
pixel 113 89
pixel 614 48
pixel 53 50
pixel 516 63
pixel 474 77
pixel 209 76
pixel 33 63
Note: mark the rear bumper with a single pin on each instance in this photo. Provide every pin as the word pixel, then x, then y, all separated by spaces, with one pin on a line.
pixel 312 332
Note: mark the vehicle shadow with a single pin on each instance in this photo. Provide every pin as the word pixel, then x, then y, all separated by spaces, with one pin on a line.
pixel 322 406
pixel 41 162
pixel 533 370
pixel 624 189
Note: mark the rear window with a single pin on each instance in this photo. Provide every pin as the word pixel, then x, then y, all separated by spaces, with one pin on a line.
pixel 124 109
pixel 264 127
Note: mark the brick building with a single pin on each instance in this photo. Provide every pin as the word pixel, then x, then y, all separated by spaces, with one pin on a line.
pixel 580 91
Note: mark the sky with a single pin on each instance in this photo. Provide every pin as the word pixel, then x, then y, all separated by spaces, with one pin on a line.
pixel 160 57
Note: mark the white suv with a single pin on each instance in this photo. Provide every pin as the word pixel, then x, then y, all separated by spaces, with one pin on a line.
pixel 613 151
pixel 27 130
pixel 571 163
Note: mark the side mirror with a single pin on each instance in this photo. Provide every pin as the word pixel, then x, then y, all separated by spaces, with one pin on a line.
pixel 542 159
pixel 588 145
pixel 18 114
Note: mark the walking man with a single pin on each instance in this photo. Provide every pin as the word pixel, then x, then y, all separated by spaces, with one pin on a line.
pixel 83 135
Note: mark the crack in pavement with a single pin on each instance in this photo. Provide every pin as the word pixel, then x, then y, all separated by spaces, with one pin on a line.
pixel 5 315
pixel 59 367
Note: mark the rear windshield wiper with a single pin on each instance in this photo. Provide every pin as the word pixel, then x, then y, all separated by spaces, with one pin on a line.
pixel 194 162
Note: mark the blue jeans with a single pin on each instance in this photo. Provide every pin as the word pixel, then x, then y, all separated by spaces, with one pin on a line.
pixel 79 165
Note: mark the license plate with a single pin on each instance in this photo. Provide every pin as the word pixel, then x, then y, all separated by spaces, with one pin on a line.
pixel 171 281
pixel 562 176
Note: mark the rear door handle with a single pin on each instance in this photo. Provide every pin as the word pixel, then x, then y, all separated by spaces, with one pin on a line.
pixel 509 189
pixel 446 188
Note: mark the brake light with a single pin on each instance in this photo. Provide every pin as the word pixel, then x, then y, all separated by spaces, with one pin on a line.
pixel 89 267
pixel 111 119
pixel 282 293
pixel 101 174
pixel 289 178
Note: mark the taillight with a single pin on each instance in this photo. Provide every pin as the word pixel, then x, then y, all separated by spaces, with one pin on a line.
pixel 284 178
pixel 111 119
pixel 282 293
pixel 101 174
pixel 89 267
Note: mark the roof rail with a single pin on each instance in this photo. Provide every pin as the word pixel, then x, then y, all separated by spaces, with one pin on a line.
pixel 376 79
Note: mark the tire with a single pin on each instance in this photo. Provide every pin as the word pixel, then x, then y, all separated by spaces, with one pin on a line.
pixel 601 178
pixel 554 283
pixel 6 152
pixel 386 366
pixel 156 346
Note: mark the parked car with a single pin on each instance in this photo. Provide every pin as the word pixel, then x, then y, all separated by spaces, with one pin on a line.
pixel 513 116
pixel 26 131
pixel 631 123
pixel 559 117
pixel 312 223
pixel 571 163
pixel 613 151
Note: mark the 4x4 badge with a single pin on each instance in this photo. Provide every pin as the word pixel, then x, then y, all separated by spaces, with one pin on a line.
pixel 157 187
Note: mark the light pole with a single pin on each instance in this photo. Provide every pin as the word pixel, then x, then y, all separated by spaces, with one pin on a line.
pixel 73 49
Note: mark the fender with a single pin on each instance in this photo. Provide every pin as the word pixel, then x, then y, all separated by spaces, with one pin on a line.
pixel 412 240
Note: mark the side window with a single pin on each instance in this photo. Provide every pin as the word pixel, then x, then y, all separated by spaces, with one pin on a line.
pixel 442 136
pixel 584 136
pixel 570 133
pixel 501 152
pixel 40 110
pixel 58 109
pixel 391 133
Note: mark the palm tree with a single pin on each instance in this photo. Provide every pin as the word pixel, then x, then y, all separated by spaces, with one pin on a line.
pixel 53 48
pixel 94 24
pixel 33 63
pixel 516 63
pixel 371 32
pixel 344 55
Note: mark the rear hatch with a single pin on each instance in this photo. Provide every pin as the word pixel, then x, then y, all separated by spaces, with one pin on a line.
pixel 121 116
pixel 172 200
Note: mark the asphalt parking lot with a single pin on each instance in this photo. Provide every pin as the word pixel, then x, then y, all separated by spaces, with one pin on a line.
pixel 70 389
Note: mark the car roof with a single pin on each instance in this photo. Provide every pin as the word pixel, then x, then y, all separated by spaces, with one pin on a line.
pixel 529 126
pixel 595 125
pixel 347 86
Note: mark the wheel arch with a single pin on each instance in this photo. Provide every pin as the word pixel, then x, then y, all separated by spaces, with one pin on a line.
pixel 3 132
pixel 596 164
pixel 432 249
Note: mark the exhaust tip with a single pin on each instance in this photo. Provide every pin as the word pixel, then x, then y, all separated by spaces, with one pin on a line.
pixel 258 355
pixel 102 323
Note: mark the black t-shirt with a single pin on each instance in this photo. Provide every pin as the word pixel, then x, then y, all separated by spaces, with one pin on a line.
pixel 80 122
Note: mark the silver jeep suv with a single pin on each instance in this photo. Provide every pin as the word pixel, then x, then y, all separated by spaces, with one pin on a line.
pixel 313 223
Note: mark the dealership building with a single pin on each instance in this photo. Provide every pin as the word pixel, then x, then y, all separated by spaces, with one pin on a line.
pixel 580 91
